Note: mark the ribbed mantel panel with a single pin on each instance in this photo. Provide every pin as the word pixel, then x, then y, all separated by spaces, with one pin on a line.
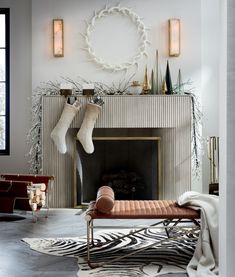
pixel 143 111
pixel 168 116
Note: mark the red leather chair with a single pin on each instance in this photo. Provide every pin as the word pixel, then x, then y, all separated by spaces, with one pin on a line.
pixel 13 190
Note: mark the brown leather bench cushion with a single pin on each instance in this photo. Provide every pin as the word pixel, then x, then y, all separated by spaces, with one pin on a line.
pixel 105 199
pixel 144 209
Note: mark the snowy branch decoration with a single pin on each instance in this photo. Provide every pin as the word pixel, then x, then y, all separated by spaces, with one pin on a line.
pixel 197 139
pixel 141 31
pixel 34 134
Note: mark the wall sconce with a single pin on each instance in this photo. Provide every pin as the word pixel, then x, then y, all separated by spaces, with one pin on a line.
pixel 174 37
pixel 58 38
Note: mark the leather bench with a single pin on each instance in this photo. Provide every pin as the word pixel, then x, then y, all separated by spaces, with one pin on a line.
pixel 167 212
pixel 143 209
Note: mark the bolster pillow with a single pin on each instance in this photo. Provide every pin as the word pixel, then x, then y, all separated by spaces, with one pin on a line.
pixel 105 199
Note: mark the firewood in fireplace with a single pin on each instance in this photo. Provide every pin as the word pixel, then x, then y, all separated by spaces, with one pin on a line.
pixel 126 184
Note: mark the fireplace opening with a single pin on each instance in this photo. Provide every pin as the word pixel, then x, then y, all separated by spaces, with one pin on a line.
pixel 130 165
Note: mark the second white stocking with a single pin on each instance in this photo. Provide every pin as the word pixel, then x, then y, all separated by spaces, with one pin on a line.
pixel 84 135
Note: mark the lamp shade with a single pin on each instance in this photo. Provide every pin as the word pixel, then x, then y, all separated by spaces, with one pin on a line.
pixel 174 37
pixel 58 38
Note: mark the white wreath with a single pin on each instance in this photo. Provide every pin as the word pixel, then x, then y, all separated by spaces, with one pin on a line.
pixel 141 30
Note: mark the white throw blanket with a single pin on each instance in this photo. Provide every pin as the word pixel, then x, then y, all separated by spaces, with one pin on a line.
pixel 205 260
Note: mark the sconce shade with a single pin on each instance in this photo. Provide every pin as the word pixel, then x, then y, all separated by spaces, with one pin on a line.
pixel 58 38
pixel 174 37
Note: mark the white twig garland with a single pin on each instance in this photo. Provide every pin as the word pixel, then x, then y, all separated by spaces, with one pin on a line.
pixel 141 31
pixel 34 134
pixel 197 139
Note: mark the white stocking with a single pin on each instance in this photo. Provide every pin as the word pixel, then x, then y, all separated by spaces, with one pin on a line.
pixel 84 135
pixel 59 132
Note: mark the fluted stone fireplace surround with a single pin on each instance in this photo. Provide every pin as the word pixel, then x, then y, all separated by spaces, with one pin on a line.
pixel 167 117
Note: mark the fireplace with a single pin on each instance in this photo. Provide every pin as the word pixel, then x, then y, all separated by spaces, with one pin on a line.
pixel 131 165
pixel 164 116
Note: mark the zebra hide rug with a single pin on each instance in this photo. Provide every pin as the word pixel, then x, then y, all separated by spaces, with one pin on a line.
pixel 169 257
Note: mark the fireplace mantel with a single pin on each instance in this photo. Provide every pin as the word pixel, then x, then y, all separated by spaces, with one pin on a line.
pixel 168 116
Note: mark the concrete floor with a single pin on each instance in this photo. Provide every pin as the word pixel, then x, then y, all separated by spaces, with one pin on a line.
pixel 18 260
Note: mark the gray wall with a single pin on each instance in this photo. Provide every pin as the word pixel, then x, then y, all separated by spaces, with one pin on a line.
pixel 20 84
pixel 227 133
